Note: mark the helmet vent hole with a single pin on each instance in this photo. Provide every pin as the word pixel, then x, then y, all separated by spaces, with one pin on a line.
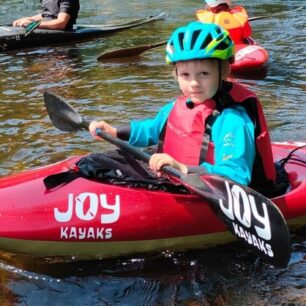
pixel 194 38
pixel 222 46
pixel 181 40
pixel 206 42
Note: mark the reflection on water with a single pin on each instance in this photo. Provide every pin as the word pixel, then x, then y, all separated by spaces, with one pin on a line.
pixel 227 275
pixel 136 89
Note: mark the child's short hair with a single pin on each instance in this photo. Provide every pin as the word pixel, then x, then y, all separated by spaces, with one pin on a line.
pixel 225 65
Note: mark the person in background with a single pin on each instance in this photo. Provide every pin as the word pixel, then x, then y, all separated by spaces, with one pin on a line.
pixel 233 19
pixel 55 15
pixel 215 126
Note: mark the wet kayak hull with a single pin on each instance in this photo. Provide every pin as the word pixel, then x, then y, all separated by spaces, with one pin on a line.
pixel 88 219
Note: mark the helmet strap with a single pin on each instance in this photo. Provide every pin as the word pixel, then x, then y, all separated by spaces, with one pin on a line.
pixel 222 84
pixel 222 96
pixel 220 73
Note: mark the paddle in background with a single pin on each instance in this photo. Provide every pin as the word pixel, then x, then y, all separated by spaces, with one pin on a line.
pixel 136 51
pixel 250 216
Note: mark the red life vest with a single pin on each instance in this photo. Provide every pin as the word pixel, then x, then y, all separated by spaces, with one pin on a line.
pixel 189 126
pixel 234 20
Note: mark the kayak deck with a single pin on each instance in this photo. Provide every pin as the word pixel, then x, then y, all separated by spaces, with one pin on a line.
pixel 249 58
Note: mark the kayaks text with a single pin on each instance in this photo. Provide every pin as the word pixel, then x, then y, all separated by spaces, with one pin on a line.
pixel 86 207
pixel 242 210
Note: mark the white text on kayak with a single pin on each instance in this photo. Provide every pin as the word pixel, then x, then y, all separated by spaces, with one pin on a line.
pixel 88 206
pixel 90 233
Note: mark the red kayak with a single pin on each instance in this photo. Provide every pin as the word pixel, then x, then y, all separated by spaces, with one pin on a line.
pixel 248 55
pixel 89 219
pixel 249 58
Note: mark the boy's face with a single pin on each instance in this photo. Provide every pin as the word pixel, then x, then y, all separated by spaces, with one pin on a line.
pixel 198 79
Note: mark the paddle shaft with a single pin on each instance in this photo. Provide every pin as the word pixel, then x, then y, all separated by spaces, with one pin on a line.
pixel 123 145
pixel 274 14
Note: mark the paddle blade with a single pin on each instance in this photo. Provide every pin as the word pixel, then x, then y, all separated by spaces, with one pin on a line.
pixel 62 114
pixel 128 52
pixel 122 53
pixel 31 27
pixel 249 215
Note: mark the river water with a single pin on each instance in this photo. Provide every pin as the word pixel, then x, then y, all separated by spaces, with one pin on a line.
pixel 117 92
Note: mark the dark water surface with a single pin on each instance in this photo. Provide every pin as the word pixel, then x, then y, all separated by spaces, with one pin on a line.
pixel 119 91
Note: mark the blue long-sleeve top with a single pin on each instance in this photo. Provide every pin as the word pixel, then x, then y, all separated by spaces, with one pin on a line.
pixel 232 134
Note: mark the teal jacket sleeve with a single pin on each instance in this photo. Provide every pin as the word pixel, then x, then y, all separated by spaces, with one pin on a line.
pixel 234 140
pixel 232 134
pixel 146 132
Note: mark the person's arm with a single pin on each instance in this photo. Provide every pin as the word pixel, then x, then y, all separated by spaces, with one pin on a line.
pixel 56 24
pixel 60 23
pixel 67 9
pixel 242 15
pixel 138 133
pixel 22 22
pixel 147 132
pixel 233 136
pixel 247 30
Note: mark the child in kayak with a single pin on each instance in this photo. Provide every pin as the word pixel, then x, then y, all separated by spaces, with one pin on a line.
pixel 55 15
pixel 233 19
pixel 216 126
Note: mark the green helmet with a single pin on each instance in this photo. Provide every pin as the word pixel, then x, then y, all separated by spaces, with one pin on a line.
pixel 199 40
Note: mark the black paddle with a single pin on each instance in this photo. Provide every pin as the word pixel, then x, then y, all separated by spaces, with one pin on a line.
pixel 275 14
pixel 250 216
pixel 136 51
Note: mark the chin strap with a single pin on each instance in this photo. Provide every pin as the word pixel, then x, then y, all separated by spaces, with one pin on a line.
pixel 220 74
pixel 222 96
